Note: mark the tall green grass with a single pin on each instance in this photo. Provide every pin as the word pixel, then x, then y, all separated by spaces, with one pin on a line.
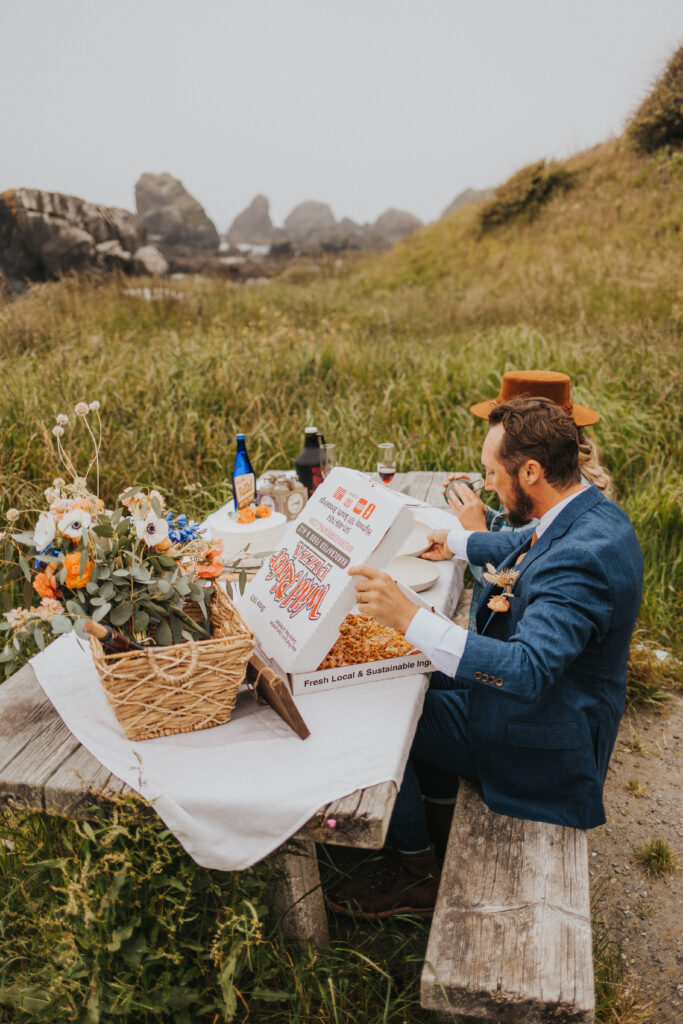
pixel 113 922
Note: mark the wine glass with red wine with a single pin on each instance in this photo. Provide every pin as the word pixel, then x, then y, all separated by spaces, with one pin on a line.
pixel 386 462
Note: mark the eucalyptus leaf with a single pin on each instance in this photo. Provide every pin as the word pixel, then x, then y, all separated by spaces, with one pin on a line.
pixel 163 636
pixel 156 507
pixel 39 638
pixel 120 613
pixel 28 595
pixel 104 530
pixel 83 562
pixel 130 492
pixel 140 621
pixel 60 624
pixel 242 581
pixel 176 628
pixel 100 613
pixel 25 538
pixel 92 586
pixel 25 567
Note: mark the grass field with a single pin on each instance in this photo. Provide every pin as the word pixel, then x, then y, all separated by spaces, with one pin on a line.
pixel 120 925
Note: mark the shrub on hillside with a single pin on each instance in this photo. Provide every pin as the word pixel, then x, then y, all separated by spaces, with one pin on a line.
pixel 659 119
pixel 525 193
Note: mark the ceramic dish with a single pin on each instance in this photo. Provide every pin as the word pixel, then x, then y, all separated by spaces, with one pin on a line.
pixel 416 573
pixel 417 541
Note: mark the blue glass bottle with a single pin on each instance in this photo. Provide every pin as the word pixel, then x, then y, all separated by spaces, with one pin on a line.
pixel 243 477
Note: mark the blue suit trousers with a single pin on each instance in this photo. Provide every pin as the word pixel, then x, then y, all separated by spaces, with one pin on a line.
pixel 438 757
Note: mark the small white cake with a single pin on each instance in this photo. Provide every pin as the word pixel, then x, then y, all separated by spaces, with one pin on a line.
pixel 263 535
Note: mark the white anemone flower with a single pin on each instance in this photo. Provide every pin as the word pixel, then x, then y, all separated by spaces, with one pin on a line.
pixel 74 522
pixel 152 529
pixel 44 532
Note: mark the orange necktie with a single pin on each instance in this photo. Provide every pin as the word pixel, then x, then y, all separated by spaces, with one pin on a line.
pixel 534 538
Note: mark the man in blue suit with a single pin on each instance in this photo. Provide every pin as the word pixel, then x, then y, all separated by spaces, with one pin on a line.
pixel 530 705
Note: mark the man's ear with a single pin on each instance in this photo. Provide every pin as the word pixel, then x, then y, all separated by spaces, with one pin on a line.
pixel 531 472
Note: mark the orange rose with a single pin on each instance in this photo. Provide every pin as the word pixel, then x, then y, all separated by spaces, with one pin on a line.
pixel 72 564
pixel 262 511
pixel 247 515
pixel 215 566
pixel 45 584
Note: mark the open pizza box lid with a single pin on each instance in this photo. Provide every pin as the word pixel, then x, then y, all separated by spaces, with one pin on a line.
pixel 301 595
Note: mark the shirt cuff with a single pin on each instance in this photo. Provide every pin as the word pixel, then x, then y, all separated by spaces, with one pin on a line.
pixel 439 640
pixel 456 541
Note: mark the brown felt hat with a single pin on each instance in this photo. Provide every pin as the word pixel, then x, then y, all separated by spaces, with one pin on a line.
pixel 538 384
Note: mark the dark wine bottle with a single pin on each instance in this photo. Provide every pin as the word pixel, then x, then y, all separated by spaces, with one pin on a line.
pixel 307 464
pixel 114 641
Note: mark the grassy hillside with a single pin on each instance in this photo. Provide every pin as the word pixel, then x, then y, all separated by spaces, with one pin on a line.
pixel 588 280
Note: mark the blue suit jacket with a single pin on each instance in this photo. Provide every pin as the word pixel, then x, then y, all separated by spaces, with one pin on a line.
pixel 547 678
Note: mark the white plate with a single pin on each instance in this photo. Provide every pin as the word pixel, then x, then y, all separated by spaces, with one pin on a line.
pixel 417 541
pixel 416 573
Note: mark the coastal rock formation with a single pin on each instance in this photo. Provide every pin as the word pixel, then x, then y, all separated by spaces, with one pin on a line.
pixel 347 234
pixel 308 220
pixel 396 224
pixel 253 225
pixel 148 260
pixel 466 198
pixel 171 214
pixel 46 234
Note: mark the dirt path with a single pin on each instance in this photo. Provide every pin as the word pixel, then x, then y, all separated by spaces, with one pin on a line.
pixel 644 914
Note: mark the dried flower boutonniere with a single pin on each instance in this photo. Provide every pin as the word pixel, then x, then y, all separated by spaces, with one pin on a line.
pixel 504 578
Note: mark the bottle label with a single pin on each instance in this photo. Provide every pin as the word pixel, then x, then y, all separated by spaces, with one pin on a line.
pixel 295 502
pixel 245 489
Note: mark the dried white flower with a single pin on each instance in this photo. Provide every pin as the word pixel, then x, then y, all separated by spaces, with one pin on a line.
pixel 81 408
pixel 59 482
pixel 74 522
pixel 44 532
pixel 13 514
pixel 58 431
pixel 94 406
pixel 62 420
pixel 17 617
pixel 49 608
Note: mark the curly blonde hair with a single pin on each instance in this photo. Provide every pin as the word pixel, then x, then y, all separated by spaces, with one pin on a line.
pixel 591 468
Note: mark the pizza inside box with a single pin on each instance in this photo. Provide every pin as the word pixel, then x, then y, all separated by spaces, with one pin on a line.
pixel 300 600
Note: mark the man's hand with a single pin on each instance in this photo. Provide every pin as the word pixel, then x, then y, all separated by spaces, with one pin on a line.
pixel 438 550
pixel 468 507
pixel 377 595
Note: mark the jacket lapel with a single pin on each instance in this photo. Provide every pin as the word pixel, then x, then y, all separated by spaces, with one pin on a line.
pixel 557 528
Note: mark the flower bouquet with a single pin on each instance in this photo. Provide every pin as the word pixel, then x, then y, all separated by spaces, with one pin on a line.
pixel 144 574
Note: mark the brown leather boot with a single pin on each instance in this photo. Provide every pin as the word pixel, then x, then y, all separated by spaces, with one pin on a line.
pixel 408 885
pixel 439 818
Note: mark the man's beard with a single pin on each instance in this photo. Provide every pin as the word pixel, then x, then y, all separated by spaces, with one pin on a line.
pixel 522 509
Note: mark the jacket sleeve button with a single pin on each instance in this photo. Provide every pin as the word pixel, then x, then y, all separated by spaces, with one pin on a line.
pixel 477 675
pixel 499 682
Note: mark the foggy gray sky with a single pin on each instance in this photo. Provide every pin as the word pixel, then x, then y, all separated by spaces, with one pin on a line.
pixel 363 104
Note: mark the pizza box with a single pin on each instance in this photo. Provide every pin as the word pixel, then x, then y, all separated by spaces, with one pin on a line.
pixel 302 593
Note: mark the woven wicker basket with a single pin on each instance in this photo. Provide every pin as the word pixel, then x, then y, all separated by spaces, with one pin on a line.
pixel 183 687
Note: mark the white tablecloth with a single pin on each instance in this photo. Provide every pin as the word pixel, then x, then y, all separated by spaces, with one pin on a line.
pixel 235 793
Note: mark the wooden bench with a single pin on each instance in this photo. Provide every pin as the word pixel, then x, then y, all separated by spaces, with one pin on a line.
pixel 510 940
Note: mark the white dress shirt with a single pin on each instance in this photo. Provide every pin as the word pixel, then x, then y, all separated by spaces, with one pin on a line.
pixel 444 642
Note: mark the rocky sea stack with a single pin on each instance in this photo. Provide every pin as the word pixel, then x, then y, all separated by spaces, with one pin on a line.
pixel 172 216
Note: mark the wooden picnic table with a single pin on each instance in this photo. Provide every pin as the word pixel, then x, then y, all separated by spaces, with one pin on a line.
pixel 43 767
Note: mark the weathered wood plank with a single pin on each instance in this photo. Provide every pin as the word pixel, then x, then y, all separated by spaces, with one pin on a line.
pixel 511 935
pixel 362 818
pixel 417 485
pixel 297 898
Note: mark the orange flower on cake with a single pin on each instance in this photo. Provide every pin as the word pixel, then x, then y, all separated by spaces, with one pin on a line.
pixel 45 583
pixel 72 564
pixel 247 515
pixel 262 511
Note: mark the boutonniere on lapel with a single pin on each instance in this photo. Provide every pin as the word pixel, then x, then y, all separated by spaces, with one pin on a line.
pixel 504 578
